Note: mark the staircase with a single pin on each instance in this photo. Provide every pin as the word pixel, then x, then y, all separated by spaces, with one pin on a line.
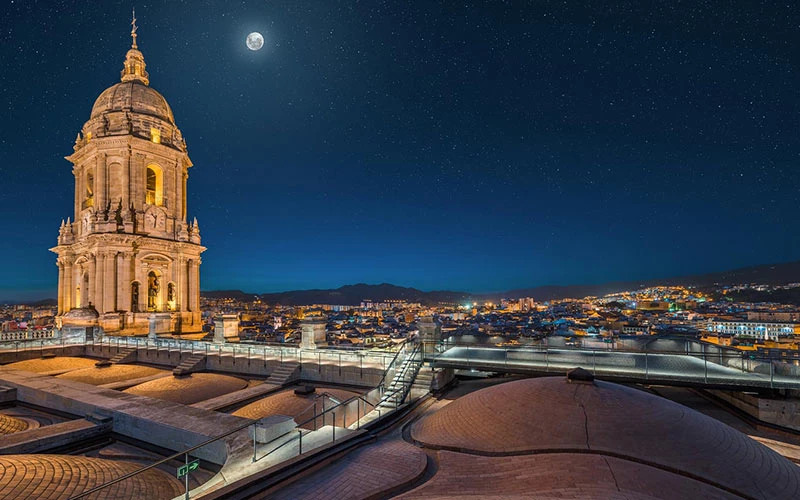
pixel 194 363
pixel 125 355
pixel 285 373
pixel 401 384
pixel 422 382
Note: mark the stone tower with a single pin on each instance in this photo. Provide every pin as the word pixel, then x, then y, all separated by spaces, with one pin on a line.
pixel 129 251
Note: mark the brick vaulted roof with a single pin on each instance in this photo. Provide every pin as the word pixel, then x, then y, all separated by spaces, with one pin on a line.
pixel 553 416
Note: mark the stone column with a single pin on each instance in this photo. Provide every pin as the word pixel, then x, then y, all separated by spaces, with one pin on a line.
pixel 98 297
pixel 68 287
pixel 183 286
pixel 125 191
pixel 137 180
pixel 90 293
pixel 77 281
pixel 430 332
pixel 60 286
pixel 110 284
pixel 196 296
pixel 78 193
pixel 121 305
pixel 313 332
pixel 191 268
pixel 100 192
pixel 226 326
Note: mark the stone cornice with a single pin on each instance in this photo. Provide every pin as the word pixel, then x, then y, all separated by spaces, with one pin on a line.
pixel 127 242
pixel 124 142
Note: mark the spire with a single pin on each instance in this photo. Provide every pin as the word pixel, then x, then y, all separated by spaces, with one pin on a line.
pixel 134 60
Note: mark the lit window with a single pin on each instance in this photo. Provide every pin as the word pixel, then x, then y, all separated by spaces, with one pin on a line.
pixel 89 199
pixel 154 186
pixel 155 135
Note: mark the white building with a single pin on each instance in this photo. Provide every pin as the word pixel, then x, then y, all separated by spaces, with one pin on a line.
pixel 758 329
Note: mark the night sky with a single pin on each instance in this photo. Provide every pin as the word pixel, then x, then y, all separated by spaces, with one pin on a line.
pixel 477 146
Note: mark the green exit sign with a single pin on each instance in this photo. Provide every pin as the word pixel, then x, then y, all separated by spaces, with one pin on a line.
pixel 185 469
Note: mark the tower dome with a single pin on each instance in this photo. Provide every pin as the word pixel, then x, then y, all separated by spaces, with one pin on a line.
pixel 133 96
pixel 132 107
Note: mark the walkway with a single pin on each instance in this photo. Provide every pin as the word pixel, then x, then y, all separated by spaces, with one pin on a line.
pixel 657 368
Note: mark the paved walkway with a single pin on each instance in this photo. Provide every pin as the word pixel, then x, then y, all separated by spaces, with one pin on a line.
pixel 363 473
pixel 633 366
pixel 562 476
pixel 232 398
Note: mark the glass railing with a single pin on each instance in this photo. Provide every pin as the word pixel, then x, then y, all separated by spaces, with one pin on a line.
pixel 710 365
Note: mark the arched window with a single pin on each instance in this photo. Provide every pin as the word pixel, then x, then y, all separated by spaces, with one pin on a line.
pixel 89 198
pixel 154 186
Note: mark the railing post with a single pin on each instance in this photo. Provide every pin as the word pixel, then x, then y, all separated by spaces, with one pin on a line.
pixel 705 367
pixel 300 448
pixel 254 442
pixel 186 455
pixel 771 374
pixel 645 365
pixel 594 369
pixel 333 428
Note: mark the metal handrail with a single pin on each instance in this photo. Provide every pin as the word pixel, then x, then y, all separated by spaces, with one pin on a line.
pixel 162 461
pixel 403 372
pixel 392 362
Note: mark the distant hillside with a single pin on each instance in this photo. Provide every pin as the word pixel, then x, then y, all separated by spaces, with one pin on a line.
pixel 348 295
pixel 774 274
pixel 45 303
pixel 229 294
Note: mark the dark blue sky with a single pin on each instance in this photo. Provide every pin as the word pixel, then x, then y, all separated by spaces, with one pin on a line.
pixel 481 146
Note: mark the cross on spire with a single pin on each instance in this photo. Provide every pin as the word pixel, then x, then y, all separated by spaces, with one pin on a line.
pixel 134 60
pixel 133 29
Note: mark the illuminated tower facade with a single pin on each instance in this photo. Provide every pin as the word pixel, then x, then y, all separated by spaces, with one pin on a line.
pixel 129 251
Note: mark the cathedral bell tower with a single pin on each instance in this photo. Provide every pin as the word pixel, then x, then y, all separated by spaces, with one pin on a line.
pixel 129 251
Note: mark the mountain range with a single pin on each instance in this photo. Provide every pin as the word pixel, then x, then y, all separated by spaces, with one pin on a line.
pixel 773 274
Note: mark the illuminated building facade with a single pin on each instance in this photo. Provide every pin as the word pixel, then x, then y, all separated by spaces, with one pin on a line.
pixel 129 251
pixel 763 330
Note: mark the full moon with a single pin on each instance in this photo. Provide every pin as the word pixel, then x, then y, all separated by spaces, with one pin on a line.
pixel 255 41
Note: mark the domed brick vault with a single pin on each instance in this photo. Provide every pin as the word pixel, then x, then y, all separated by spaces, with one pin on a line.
pixel 301 407
pixel 45 477
pixel 550 437
pixel 189 389
pixel 10 425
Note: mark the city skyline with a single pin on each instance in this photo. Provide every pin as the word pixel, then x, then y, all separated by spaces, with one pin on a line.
pixel 478 149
